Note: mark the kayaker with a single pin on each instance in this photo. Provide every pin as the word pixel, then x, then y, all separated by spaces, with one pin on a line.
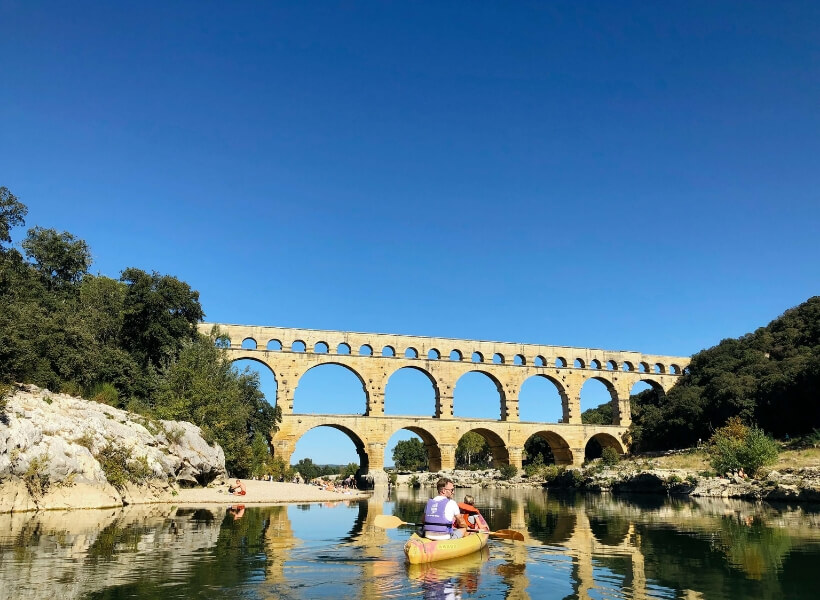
pixel 442 517
pixel 469 510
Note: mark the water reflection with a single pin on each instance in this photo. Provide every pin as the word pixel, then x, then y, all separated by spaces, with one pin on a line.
pixel 575 547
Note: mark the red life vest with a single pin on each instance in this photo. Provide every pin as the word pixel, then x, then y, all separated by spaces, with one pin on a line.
pixel 468 509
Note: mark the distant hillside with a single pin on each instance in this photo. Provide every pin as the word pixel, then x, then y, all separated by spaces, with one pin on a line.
pixel 770 377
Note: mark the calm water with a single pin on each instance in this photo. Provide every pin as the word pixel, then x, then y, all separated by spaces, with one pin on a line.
pixel 576 547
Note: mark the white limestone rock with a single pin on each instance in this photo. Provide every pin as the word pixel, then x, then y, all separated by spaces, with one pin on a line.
pixel 50 445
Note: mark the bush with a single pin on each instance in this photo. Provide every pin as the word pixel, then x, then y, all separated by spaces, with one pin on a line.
pixel 737 446
pixel 610 457
pixel 414 482
pixel 508 471
pixel 120 468
pixel 105 393
pixel 36 479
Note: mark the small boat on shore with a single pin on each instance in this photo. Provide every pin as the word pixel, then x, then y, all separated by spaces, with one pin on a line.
pixel 420 550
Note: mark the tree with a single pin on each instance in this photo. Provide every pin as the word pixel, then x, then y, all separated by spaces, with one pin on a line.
pixel 307 469
pixel 472 447
pixel 160 314
pixel 737 446
pixel 12 213
pixel 59 258
pixel 410 455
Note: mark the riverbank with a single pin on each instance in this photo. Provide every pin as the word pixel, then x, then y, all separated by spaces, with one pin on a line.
pixel 264 492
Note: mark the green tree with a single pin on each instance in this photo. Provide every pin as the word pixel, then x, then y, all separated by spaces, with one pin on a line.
pixel 307 469
pixel 12 213
pixel 410 455
pixel 159 316
pixel 59 258
pixel 472 447
pixel 201 386
pixel 737 446
pixel 600 415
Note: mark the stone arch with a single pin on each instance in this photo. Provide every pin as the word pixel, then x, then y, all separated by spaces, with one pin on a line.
pixel 431 446
pixel 563 398
pixel 365 350
pixel 321 348
pixel 359 441
pixel 270 400
pixel 343 348
pixel 477 357
pixel 498 449
pixel 501 399
pixel 628 366
pixel 659 368
pixel 579 363
pixel 540 361
pixel 560 361
pixel 433 354
pixel 411 352
pixel 519 360
pixel 595 364
pixel 274 345
pixel 298 346
pixel 597 442
pixel 249 344
pixel 498 358
pixel 643 367
pixel 610 388
pixel 337 364
pixel 559 446
pixel 388 351
pixel 427 375
pixel 674 369
pixel 611 365
pixel 655 385
pixel 456 355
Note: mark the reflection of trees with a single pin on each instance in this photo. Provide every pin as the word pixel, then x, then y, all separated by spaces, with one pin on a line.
pixel 551 521
pixel 610 531
pixel 753 547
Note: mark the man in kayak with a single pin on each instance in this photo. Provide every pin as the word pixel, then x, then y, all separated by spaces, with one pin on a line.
pixel 442 518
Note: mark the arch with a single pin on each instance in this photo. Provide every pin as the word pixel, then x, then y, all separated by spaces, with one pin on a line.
pixel 433 354
pixel 321 348
pixel 365 350
pixel 274 345
pixel 596 443
pixel 561 451
pixel 674 369
pixel 388 351
pixel 560 361
pixel 249 344
pixel 601 397
pixel 298 346
pixel 337 456
pixel 456 355
pixel 595 364
pixel 431 446
pixel 542 399
pixel 579 363
pixel 644 384
pixel 343 348
pixel 611 365
pixel 643 367
pixel 540 361
pixel 411 388
pixel 267 377
pixel 498 449
pixel 519 360
pixel 405 434
pixel 411 353
pixel 223 341
pixel 328 387
pixel 473 396
pixel 477 357
pixel 628 366
pixel 498 358
pixel 659 368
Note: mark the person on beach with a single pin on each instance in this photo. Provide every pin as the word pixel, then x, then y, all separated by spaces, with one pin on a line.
pixel 442 517
pixel 238 489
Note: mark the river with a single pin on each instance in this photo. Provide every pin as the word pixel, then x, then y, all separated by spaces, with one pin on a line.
pixel 595 546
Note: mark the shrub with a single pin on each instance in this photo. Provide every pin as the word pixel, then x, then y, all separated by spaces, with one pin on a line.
pixel 610 457
pixel 120 468
pixel 508 471
pixel 105 393
pixel 738 446
pixel 414 482
pixel 36 479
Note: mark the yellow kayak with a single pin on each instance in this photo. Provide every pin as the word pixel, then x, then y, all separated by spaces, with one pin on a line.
pixel 420 550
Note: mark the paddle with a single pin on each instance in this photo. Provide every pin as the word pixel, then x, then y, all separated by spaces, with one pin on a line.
pixel 392 521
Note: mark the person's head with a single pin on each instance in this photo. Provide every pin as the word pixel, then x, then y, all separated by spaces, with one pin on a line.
pixel 445 487
pixel 468 499
pixel 238 482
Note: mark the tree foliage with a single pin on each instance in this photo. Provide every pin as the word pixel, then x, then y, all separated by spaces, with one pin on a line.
pixel 769 377
pixel 472 451
pixel 131 342
pixel 410 455
pixel 737 446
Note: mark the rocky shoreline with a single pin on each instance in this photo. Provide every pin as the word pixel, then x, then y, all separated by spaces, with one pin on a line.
pixel 787 485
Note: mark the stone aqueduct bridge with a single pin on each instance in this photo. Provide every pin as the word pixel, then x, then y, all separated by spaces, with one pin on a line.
pixel 373 358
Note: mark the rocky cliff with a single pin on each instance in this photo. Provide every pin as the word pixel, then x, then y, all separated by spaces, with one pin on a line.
pixel 57 451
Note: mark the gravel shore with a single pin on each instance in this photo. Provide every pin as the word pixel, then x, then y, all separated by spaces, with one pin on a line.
pixel 264 492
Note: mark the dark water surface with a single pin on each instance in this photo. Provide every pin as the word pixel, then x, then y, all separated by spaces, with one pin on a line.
pixel 576 547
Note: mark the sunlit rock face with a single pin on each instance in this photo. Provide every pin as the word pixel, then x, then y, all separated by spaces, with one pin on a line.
pixel 52 447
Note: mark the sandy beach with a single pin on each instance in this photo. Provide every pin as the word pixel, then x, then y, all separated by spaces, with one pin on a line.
pixel 264 492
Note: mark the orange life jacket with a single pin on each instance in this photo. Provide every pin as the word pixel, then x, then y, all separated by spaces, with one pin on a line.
pixel 468 509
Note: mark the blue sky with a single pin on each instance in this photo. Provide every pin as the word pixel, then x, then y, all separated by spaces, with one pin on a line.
pixel 617 175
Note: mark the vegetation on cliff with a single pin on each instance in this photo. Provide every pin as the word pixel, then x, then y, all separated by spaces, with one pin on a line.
pixel 130 342
pixel 768 378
